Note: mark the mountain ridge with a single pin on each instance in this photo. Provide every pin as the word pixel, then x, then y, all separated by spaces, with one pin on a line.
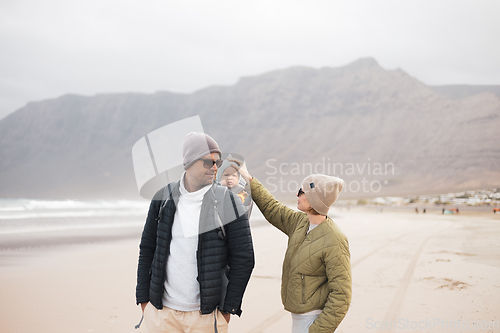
pixel 80 146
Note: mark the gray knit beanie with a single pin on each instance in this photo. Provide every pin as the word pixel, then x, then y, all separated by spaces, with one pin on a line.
pixel 225 164
pixel 196 145
pixel 322 191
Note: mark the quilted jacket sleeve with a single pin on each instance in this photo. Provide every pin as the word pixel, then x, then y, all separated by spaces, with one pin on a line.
pixel 338 271
pixel 276 213
pixel 147 250
pixel 240 255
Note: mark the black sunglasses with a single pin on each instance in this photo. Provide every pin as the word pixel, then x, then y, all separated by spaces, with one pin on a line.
pixel 300 192
pixel 209 163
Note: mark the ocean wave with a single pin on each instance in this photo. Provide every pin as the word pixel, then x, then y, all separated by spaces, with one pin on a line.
pixel 29 209
pixel 86 213
pixel 71 227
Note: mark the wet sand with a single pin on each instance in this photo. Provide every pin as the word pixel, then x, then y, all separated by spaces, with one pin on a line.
pixel 411 270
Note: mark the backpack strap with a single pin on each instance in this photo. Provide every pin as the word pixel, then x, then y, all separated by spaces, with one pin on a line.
pixel 167 194
pixel 220 194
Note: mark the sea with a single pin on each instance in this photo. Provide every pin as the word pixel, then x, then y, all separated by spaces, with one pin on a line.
pixel 25 222
pixel 34 223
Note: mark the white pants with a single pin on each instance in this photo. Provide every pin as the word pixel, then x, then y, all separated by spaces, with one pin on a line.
pixel 301 323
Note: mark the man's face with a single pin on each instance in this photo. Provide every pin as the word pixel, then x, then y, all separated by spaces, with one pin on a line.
pixel 201 175
pixel 230 177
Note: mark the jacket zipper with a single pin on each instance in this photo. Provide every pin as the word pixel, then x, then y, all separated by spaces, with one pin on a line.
pixel 303 289
pixel 198 265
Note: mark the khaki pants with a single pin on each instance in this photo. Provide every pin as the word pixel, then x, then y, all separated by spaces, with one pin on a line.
pixel 173 321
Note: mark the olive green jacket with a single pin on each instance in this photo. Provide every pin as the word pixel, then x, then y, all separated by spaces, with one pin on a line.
pixel 316 268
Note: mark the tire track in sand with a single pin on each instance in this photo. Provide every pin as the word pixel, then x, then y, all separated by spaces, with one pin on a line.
pixel 394 308
pixel 261 327
pixel 268 322
pixel 366 256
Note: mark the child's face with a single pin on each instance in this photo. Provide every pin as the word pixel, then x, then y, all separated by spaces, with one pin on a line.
pixel 230 177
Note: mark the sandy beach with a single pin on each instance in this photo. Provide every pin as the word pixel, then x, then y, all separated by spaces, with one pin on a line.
pixel 411 272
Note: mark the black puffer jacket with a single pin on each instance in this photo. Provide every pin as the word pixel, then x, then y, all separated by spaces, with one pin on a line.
pixel 215 251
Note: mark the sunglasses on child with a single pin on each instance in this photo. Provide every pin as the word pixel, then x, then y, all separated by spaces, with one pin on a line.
pixel 209 163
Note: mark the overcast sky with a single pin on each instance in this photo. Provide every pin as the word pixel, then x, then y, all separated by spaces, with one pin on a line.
pixel 52 47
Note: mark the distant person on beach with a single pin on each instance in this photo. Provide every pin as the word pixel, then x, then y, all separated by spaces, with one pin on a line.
pixel 416 210
pixel 316 277
pixel 230 177
pixel 190 251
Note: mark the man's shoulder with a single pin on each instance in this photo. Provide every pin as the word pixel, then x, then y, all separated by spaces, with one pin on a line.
pixel 164 192
pixel 221 192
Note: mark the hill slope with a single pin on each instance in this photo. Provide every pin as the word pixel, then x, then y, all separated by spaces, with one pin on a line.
pixel 370 126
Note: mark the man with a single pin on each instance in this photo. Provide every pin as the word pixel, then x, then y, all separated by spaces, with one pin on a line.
pixel 184 251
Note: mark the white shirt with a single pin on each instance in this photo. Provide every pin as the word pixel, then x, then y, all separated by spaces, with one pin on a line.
pixel 181 288
pixel 311 226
